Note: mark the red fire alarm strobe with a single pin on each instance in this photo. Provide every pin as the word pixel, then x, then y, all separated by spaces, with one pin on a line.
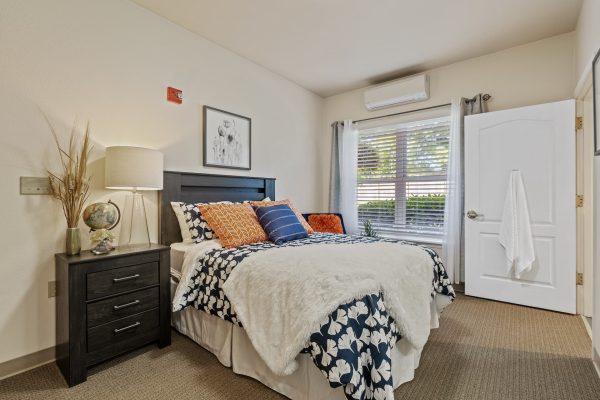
pixel 174 95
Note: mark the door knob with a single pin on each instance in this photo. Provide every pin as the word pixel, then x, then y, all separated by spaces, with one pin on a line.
pixel 471 214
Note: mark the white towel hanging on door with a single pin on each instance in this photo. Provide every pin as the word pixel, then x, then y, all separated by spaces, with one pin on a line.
pixel 515 228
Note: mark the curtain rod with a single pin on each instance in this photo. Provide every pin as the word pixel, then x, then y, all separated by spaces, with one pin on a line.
pixel 485 97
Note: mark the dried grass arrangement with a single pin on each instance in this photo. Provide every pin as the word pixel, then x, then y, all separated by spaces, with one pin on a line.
pixel 71 185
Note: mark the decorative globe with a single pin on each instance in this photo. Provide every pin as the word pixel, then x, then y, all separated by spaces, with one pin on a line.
pixel 101 215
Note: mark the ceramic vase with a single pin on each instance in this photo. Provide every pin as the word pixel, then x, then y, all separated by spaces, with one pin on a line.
pixel 73 241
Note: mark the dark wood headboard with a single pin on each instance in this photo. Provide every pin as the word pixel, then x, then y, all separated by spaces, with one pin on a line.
pixel 202 188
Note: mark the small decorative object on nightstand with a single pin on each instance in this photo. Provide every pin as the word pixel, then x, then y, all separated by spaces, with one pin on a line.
pixel 110 304
pixel 102 218
pixel 71 186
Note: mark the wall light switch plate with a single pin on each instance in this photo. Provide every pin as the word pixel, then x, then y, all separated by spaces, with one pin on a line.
pixel 51 289
pixel 34 185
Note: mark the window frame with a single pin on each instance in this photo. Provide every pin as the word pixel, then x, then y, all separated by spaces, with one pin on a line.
pixel 402 178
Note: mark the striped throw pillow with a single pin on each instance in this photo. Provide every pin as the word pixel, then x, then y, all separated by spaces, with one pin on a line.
pixel 280 223
pixel 265 203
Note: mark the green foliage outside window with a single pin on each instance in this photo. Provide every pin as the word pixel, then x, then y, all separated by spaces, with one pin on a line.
pixel 384 210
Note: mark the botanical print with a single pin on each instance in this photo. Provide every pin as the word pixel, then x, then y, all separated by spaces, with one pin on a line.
pixel 227 146
pixel 226 139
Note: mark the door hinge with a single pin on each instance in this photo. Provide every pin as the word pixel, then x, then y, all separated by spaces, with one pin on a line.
pixel 579 201
pixel 579 278
pixel 578 123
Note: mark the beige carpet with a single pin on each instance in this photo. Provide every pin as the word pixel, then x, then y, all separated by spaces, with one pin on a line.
pixel 483 351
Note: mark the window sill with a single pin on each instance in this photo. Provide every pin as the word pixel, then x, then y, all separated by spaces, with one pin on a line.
pixel 416 239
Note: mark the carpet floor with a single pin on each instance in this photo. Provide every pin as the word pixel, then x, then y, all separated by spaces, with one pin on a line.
pixel 483 350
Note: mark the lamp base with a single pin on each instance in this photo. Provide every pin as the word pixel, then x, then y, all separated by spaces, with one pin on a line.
pixel 134 224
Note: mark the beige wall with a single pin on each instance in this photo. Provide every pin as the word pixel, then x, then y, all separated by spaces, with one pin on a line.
pixel 587 40
pixel 534 73
pixel 110 61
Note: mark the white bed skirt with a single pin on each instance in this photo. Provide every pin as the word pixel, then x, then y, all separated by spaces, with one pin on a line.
pixel 232 347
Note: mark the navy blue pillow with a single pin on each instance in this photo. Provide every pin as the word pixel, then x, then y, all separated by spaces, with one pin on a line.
pixel 280 223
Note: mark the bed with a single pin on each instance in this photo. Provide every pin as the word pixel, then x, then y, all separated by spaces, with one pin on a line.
pixel 361 349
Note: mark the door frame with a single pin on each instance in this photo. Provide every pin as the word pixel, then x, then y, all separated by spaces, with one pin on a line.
pixel 585 187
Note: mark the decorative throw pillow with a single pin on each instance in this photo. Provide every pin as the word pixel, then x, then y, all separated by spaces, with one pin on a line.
pixel 193 226
pixel 329 223
pixel 181 219
pixel 234 224
pixel 280 223
pixel 263 203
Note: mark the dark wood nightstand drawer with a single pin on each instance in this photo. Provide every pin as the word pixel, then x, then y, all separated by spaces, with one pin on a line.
pixel 110 304
pixel 119 280
pixel 104 311
pixel 124 334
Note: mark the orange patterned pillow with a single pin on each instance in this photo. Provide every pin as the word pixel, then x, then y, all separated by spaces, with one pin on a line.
pixel 330 223
pixel 305 224
pixel 234 224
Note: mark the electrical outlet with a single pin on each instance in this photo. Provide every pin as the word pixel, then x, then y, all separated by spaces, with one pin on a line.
pixel 51 289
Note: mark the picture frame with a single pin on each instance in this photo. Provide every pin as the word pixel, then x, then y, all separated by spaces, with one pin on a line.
pixel 596 95
pixel 227 139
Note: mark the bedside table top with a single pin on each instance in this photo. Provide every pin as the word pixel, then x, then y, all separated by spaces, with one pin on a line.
pixel 88 256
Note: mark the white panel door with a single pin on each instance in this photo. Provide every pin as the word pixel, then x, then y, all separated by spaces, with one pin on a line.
pixel 540 142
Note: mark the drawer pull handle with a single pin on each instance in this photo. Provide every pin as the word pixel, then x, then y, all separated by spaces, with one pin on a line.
pixel 126 328
pixel 133 303
pixel 126 278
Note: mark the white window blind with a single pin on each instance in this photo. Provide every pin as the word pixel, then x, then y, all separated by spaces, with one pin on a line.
pixel 402 176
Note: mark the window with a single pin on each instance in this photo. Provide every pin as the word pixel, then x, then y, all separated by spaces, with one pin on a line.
pixel 402 175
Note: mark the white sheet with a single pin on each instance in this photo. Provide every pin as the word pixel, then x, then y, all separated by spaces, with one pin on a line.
pixel 301 286
pixel 177 255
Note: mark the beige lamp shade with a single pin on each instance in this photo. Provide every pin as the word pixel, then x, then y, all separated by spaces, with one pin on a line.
pixel 133 168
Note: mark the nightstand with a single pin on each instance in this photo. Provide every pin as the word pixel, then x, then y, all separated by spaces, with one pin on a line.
pixel 110 304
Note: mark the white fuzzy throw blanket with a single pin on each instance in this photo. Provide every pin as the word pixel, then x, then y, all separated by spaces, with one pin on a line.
pixel 281 296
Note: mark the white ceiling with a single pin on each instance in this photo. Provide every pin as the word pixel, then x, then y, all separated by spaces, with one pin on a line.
pixel 330 46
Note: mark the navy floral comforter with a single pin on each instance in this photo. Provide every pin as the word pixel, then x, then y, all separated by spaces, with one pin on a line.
pixel 352 347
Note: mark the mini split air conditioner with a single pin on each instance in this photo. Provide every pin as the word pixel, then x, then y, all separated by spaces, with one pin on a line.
pixel 395 93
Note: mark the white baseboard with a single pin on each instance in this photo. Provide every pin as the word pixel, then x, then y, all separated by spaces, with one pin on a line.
pixel 27 362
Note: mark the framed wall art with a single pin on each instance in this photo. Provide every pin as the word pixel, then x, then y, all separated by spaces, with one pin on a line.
pixel 226 139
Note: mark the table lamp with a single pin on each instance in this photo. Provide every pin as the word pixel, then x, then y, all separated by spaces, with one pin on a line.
pixel 135 169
